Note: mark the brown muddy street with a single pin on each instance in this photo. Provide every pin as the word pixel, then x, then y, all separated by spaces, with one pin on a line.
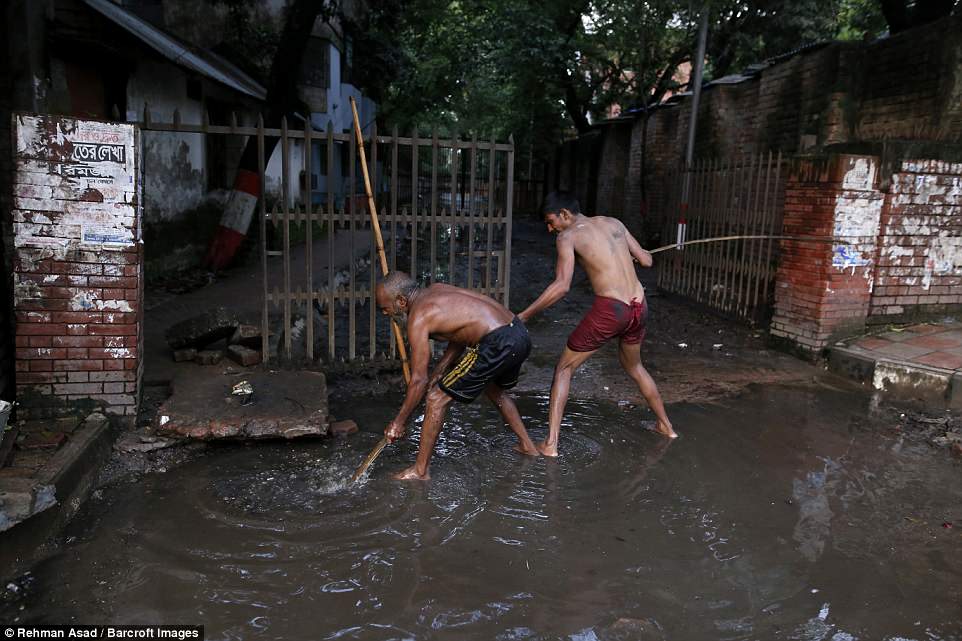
pixel 783 513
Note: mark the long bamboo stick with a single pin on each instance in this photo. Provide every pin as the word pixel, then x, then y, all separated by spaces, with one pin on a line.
pixel 379 242
pixel 812 239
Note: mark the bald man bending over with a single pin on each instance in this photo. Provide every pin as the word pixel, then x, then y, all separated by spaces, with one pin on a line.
pixel 486 346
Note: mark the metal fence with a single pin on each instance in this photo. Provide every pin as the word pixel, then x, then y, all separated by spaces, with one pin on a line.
pixel 734 197
pixel 445 208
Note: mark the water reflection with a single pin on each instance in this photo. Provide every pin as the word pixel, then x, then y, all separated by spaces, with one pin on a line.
pixel 771 517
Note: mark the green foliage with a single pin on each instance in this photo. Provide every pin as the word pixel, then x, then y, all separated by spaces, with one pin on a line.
pixel 540 68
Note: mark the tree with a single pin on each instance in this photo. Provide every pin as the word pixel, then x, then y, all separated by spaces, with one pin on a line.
pixel 539 68
pixel 905 14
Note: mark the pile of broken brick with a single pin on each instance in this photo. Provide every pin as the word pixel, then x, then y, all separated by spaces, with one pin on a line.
pixel 194 339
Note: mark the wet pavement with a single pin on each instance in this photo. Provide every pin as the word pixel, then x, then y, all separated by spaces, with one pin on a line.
pixel 784 512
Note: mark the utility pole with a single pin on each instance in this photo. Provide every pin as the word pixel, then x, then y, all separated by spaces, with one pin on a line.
pixel 698 70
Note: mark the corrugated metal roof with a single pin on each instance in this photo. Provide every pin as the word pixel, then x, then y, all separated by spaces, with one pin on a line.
pixel 205 63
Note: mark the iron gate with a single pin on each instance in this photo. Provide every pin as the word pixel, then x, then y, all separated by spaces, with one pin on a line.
pixel 737 197
pixel 445 208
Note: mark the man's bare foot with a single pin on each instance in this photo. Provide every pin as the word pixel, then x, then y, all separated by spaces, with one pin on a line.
pixel 665 429
pixel 529 450
pixel 548 449
pixel 411 474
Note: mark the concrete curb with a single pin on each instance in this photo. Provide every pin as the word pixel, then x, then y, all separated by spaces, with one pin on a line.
pixel 70 474
pixel 899 379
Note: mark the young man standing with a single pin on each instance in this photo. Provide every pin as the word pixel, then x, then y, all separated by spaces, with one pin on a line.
pixel 485 340
pixel 605 249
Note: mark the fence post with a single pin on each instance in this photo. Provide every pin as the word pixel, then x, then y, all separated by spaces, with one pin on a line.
pixel 509 201
pixel 286 207
pixel 331 227
pixel 265 330
pixel 415 188
pixel 309 236
pixel 453 226
pixel 352 268
pixel 434 203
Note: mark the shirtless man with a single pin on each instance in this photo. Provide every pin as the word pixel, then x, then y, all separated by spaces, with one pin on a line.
pixel 487 342
pixel 605 249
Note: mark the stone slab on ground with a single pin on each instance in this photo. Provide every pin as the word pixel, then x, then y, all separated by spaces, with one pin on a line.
pixel 286 405
pixel 185 354
pixel 244 356
pixel 203 329
pixel 21 498
pixel 343 428
pixel 209 357
pixel 141 441
pixel 247 335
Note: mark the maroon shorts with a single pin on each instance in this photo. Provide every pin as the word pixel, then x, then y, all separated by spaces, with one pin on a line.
pixel 607 318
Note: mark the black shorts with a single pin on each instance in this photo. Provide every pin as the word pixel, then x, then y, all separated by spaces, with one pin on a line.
pixel 496 359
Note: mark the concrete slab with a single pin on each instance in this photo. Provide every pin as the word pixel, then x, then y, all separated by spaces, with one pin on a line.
pixel 944 360
pixel 854 364
pixel 912 381
pixel 903 350
pixel 285 405
pixel 57 489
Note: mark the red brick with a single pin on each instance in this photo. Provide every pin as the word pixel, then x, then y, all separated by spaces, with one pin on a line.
pixel 41 329
pixel 77 341
pixel 40 352
pixel 112 376
pixel 33 317
pixel 111 330
pixel 113 352
pixel 44 304
pixel 120 318
pixel 76 317
pixel 39 377
pixel 78 366
pixel 39 341
pixel 40 365
pixel 78 388
pixel 115 282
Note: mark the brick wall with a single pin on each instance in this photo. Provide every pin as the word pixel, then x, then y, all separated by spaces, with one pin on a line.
pixel 920 256
pixel 77 267
pixel 823 290
pixel 905 86
pixel 612 168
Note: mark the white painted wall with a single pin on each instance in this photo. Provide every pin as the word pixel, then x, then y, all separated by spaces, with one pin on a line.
pixel 174 174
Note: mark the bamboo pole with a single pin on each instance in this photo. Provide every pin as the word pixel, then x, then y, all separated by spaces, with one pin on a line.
pixel 811 239
pixel 379 242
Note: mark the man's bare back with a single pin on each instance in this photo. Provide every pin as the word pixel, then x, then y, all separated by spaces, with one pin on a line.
pixel 457 315
pixel 602 247
pixel 605 249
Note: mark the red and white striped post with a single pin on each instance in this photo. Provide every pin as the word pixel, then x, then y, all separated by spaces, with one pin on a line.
pixel 236 219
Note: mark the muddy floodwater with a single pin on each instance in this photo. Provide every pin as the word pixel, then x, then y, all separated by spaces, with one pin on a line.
pixel 785 513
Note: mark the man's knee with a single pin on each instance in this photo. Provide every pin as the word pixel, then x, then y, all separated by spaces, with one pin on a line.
pixel 566 366
pixel 437 398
